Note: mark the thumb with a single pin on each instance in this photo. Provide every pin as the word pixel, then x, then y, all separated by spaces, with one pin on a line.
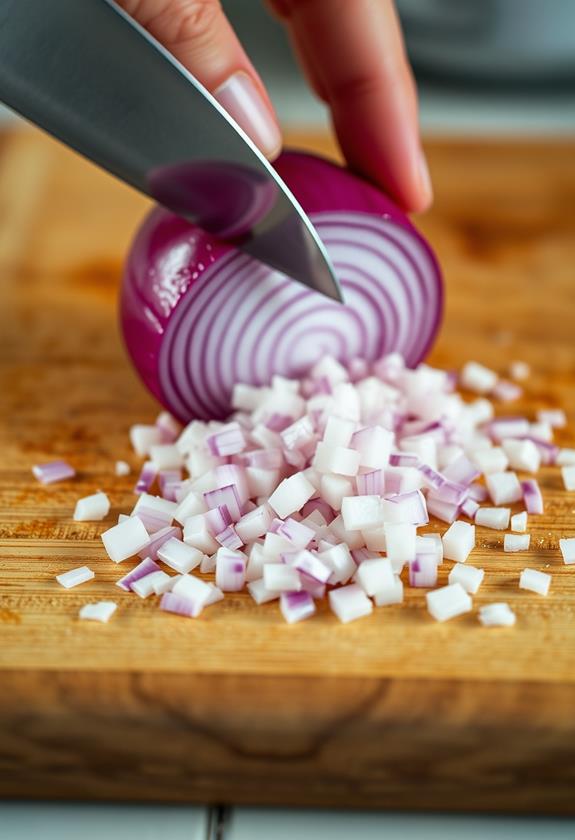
pixel 200 36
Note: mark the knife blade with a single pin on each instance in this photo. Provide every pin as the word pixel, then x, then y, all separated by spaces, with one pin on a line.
pixel 92 77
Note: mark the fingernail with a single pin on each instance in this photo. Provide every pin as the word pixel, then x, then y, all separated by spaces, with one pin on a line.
pixel 242 100
pixel 424 177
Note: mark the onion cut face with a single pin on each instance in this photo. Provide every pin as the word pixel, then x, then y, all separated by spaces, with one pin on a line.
pixel 199 316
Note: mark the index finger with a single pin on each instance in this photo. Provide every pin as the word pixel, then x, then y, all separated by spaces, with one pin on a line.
pixel 355 56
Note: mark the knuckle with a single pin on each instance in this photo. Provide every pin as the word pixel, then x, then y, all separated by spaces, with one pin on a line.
pixel 181 21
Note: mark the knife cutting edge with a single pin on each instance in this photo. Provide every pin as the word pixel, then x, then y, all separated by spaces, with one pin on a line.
pixel 91 76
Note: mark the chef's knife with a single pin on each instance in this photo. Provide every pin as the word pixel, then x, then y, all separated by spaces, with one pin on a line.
pixel 87 73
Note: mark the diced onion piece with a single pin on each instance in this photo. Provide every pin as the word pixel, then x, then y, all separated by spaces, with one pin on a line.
pixel 197 592
pixel 448 602
pixel 158 539
pixel 459 541
pixel 506 391
pixel 156 583
pixel 489 461
pixel 392 594
pixel 166 456
pixel 497 518
pixel 497 615
pixel 161 508
pixel 146 567
pixel 349 602
pixel 568 475
pixel 516 542
pixel 373 445
pixel 400 544
pixel 75 577
pixel 567 547
pixel 504 488
pixel 555 417
pixel 335 459
pixel 92 508
pixel 469 508
pixel 53 471
pixel 229 538
pixel 178 604
pixel 230 570
pixel 198 535
pixel 228 440
pixel 519 371
pixel 532 497
pixel 143 438
pixel 310 564
pixel 146 478
pixel 477 378
pixel 296 606
pixel 423 571
pixel 192 504
pixel 470 577
pixel 291 495
pixel 122 468
pixel 405 507
pixel 179 556
pixel 361 512
pixel 101 611
pixel 508 427
pixel 260 593
pixel 461 471
pixel 535 581
pixel 335 488
pixel 169 426
pixel 279 577
pixel 566 457
pixel 519 522
pixel 522 454
pixel 338 558
pixel 338 431
pixel 375 575
pixel 126 539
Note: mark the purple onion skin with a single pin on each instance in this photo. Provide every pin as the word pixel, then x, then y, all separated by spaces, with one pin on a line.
pixel 169 256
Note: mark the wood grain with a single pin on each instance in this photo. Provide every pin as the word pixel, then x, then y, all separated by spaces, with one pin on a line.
pixel 391 711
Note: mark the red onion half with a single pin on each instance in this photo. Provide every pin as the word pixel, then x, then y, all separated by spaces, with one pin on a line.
pixel 198 315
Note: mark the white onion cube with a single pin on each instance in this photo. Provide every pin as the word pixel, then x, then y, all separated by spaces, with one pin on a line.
pixel 179 556
pixel 392 594
pixel 459 541
pixel 470 577
pixel 519 522
pixel 101 611
pixel 522 454
pixel 361 512
pixel 375 575
pixel 535 581
pixel 504 488
pixel 92 508
pixel 75 577
pixel 448 602
pixel 349 602
pixel 568 550
pixel 497 615
pixel 497 518
pixel 281 578
pixel 478 378
pixel 400 544
pixel 516 542
pixel 126 539
pixel 568 475
pixel 291 495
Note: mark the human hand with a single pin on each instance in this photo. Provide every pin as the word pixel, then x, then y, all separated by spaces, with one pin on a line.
pixel 354 58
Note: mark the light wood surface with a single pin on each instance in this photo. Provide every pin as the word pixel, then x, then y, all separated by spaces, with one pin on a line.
pixel 390 711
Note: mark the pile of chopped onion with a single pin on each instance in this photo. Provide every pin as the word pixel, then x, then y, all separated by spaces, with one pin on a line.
pixel 322 490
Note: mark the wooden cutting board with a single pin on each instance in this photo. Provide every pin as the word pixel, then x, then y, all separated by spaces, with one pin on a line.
pixel 391 711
